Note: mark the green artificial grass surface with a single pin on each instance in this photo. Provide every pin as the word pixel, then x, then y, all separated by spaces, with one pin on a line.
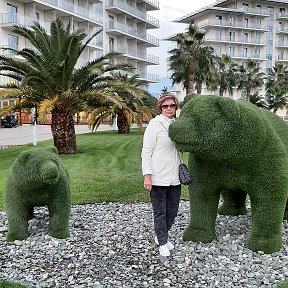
pixel 8 284
pixel 106 169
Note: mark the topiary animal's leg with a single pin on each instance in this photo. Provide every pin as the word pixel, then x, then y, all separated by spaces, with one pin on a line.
pixel 203 212
pixel 233 202
pixel 17 216
pixel 286 212
pixel 59 212
pixel 267 217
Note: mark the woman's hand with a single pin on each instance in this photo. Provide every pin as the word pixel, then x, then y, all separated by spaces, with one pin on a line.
pixel 148 182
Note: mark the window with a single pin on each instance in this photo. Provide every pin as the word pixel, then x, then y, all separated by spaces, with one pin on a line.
pixel 280 54
pixel 257 53
pixel 37 16
pixel 111 44
pixel 258 23
pixel 231 51
pixel 218 35
pixel 281 40
pixel 218 50
pixel 245 52
pixel 245 37
pixel 232 20
pixel 245 22
pixel 270 11
pixel 218 20
pixel 282 12
pixel 245 7
pixel 11 15
pixel 111 22
pixel 258 9
pixel 281 26
pixel 12 41
pixel 258 38
pixel 231 36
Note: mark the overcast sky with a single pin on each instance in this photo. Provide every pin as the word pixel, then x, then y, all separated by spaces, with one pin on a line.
pixel 170 10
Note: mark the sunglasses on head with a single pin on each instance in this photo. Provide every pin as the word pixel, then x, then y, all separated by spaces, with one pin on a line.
pixel 173 106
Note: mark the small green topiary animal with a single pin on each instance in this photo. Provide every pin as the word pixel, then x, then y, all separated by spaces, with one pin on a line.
pixel 38 178
pixel 242 149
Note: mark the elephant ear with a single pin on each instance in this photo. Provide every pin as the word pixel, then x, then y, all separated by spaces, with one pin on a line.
pixel 229 108
pixel 52 149
pixel 24 156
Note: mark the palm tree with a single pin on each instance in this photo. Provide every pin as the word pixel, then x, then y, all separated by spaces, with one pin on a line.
pixel 189 57
pixel 224 76
pixel 134 101
pixel 276 87
pixel 49 78
pixel 258 100
pixel 250 78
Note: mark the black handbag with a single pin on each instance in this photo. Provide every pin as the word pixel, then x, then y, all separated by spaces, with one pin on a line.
pixel 184 174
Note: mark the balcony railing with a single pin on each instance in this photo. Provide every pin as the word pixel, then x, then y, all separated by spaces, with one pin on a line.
pixel 153 2
pixel 133 11
pixel 235 40
pixel 70 8
pixel 18 19
pixel 127 30
pixel 254 11
pixel 281 15
pixel 258 56
pixel 210 22
pixel 282 29
pixel 149 76
pixel 134 53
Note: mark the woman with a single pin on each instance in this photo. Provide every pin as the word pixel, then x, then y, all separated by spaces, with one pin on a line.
pixel 160 162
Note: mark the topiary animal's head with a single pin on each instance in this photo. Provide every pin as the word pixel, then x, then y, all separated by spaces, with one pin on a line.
pixel 37 167
pixel 212 127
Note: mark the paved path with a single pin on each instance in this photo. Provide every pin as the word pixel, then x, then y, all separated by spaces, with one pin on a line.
pixel 24 134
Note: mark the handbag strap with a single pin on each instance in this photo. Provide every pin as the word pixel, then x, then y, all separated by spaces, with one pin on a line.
pixel 179 154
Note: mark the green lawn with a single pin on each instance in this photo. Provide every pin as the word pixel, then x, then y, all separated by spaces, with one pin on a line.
pixel 106 169
pixel 8 284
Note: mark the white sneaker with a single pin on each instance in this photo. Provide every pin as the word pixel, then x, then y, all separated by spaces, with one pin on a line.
pixel 169 244
pixel 164 250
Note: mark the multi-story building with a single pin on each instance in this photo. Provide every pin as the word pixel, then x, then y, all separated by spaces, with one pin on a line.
pixel 125 24
pixel 245 29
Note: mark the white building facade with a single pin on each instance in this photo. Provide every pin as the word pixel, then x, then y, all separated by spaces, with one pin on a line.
pixel 245 29
pixel 125 25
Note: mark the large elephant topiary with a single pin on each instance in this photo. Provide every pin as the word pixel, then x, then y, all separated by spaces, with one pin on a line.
pixel 239 148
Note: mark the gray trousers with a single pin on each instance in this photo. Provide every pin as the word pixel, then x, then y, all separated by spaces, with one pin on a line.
pixel 165 202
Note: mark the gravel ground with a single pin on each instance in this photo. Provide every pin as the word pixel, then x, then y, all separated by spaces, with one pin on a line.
pixel 111 245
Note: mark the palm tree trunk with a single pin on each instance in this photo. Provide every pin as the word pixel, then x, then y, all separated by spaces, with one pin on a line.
pixel 63 132
pixel 190 82
pixel 122 124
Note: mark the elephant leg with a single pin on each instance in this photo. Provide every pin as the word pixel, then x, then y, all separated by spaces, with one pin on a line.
pixel 267 217
pixel 18 218
pixel 59 213
pixel 286 212
pixel 233 202
pixel 203 213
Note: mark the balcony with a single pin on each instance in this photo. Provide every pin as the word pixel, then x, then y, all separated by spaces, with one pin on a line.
pixel 244 56
pixel 10 19
pixel 236 25
pixel 120 29
pixel 149 77
pixel 72 9
pixel 281 30
pixel 281 58
pixel 281 44
pixel 235 40
pixel 118 6
pixel 281 16
pixel 150 4
pixel 132 53
pixel 254 11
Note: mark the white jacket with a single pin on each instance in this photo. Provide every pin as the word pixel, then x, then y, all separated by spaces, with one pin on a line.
pixel 159 154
